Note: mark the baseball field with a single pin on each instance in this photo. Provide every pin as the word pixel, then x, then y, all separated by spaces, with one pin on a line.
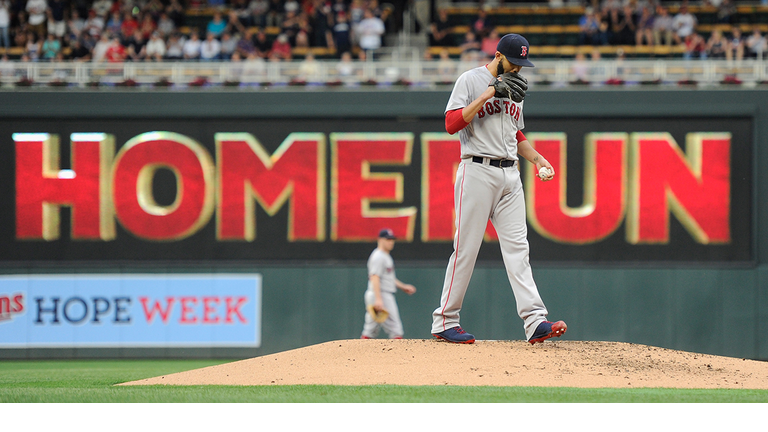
pixel 379 371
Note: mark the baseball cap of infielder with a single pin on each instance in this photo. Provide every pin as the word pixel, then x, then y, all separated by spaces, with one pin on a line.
pixel 387 234
pixel 515 48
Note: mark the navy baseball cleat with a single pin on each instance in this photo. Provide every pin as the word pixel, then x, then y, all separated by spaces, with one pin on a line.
pixel 455 335
pixel 548 329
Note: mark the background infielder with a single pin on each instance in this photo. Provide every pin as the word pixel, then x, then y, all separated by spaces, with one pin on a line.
pixel 382 286
pixel 489 118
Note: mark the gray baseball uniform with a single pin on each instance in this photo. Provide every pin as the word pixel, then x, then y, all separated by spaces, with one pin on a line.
pixel 381 264
pixel 482 192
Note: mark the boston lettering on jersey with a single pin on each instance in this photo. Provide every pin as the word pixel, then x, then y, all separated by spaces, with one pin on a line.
pixel 632 179
pixel 495 107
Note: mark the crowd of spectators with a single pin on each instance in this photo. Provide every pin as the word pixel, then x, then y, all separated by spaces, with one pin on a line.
pixel 154 30
pixel 624 22
pixel 648 22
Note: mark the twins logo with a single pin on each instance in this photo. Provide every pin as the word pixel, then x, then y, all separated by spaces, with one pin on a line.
pixel 11 305
pixel 524 51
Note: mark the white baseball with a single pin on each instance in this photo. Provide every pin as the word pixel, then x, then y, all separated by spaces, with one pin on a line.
pixel 544 172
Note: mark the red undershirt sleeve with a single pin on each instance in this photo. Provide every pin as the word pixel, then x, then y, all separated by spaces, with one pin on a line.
pixel 454 121
pixel 520 136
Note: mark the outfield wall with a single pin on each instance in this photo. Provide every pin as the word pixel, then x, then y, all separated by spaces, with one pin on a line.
pixel 697 282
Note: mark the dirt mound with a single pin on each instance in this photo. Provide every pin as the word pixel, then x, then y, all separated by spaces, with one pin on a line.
pixel 488 363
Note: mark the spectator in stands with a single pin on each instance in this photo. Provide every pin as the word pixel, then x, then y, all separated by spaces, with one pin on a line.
pixel 339 6
pixel 128 26
pixel 589 28
pixel 370 29
pixel 695 45
pixel 79 52
pixel 240 11
pixel 258 10
pixel 290 26
pixel 320 22
pixel 614 20
pixel 94 24
pixel 7 69
pixel 165 25
pixel 114 23
pixel 136 47
pixel 342 38
pixel 50 48
pixel 304 32
pixel 683 24
pixel 175 12
pixel 440 30
pixel 22 29
pixel 725 12
pixel 32 49
pixel 756 44
pixel 470 48
pixel 37 18
pixel 717 45
pixel 210 49
pixel 345 68
pixel 628 30
pixel 233 24
pixel 489 43
pixel 100 49
pixel 356 12
pixel 281 49
pixel 147 26
pixel 75 25
pixel 446 66
pixel 5 23
pixel 309 70
pixel 56 23
pixel 156 47
pixel 154 8
pixel 644 33
pixel 191 47
pixel 216 25
pixel 482 24
pixel 102 8
pixel 228 45
pixel 115 51
pixel 580 69
pixel 246 46
pixel 175 47
pixel 261 45
pixel 275 13
pixel 662 27
pixel 735 45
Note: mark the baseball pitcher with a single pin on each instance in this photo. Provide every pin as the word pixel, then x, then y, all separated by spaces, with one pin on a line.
pixel 486 109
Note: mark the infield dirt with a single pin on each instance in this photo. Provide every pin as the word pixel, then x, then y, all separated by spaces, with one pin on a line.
pixel 555 363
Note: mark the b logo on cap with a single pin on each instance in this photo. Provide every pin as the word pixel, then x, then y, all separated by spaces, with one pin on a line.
pixel 525 51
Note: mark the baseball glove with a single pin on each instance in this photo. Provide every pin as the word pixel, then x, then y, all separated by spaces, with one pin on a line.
pixel 517 84
pixel 378 316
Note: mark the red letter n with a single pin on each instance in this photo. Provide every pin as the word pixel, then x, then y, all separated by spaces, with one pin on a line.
pixel 695 186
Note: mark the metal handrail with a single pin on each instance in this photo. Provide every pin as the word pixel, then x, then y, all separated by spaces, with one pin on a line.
pixel 412 72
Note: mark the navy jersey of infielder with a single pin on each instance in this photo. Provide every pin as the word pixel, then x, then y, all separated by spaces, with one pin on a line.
pixel 488 186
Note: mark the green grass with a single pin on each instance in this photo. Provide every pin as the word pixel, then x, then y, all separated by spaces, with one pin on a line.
pixel 93 381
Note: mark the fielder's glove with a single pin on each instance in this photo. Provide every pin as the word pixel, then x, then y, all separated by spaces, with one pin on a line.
pixel 378 316
pixel 510 85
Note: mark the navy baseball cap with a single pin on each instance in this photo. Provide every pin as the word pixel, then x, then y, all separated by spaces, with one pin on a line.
pixel 387 234
pixel 515 48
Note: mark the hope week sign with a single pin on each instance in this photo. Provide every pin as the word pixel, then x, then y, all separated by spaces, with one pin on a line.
pixel 222 310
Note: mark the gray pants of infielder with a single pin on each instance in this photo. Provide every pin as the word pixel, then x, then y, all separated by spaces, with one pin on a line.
pixel 393 326
pixel 482 192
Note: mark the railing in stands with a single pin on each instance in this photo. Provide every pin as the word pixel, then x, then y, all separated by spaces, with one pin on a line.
pixel 380 73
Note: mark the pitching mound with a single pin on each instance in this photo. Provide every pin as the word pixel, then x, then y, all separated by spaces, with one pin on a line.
pixel 487 363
